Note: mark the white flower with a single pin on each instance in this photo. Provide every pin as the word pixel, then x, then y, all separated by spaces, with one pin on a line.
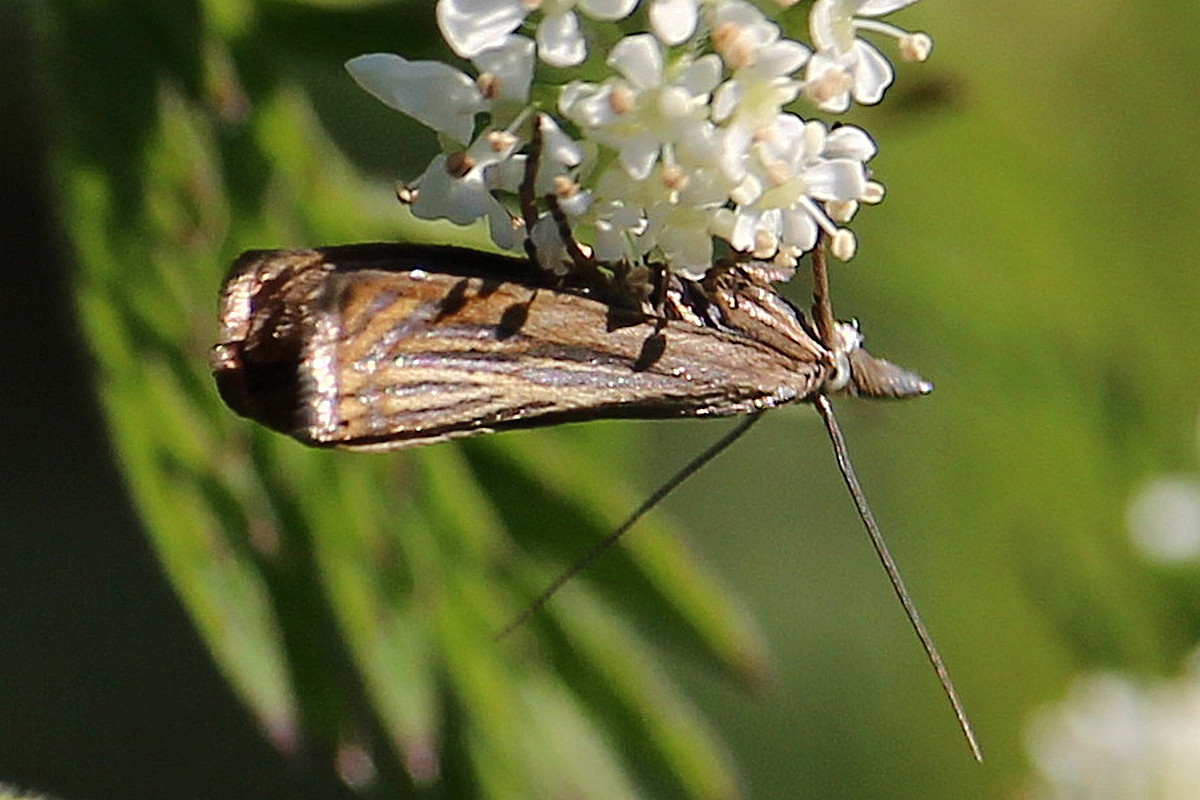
pixel 676 149
pixel 683 233
pixel 844 66
pixel 506 71
pixel 440 96
pixel 473 26
pixel 618 224
pixel 559 156
pixel 457 186
pixel 792 171
pixel 1164 519
pixel 558 149
pixel 740 33
pixel 1114 738
pixel 644 111
pixel 762 63
pixel 760 88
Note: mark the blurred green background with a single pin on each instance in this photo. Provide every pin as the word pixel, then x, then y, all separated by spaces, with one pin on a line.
pixel 1035 258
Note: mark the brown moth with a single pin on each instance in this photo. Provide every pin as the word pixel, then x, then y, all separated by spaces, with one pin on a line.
pixel 385 346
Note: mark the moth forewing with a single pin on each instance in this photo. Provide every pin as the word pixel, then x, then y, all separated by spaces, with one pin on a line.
pixel 382 347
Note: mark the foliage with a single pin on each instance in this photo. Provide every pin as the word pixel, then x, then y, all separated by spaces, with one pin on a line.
pixel 1035 258
pixel 353 601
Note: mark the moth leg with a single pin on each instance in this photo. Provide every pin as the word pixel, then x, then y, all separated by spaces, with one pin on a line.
pixel 645 285
pixel 527 195
pixel 584 263
pixel 658 289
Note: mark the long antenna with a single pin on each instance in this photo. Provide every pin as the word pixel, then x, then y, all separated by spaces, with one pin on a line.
pixel 893 572
pixel 690 469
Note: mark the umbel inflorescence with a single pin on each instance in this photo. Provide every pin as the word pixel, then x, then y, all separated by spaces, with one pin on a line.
pixel 683 143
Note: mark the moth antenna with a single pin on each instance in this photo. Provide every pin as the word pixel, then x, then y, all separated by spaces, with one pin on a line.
pixel 690 469
pixel 825 408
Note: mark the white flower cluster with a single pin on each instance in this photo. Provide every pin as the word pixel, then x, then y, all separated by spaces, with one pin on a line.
pixel 684 141
pixel 1114 738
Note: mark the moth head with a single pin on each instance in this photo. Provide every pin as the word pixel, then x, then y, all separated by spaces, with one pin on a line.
pixel 857 372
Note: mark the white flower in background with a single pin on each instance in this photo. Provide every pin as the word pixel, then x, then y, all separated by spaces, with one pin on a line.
pixel 1164 519
pixel 1114 738
pixel 681 147
pixel 844 66
pixel 473 26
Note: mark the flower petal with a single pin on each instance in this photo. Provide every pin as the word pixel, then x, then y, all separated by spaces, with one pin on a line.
pixel 588 105
pixel 877 8
pixel 560 42
pixel 849 141
pixel 639 59
pixel 557 147
pixel 836 180
pixel 460 200
pixel 472 26
pixel 703 75
pixel 798 228
pixel 830 24
pixel 610 10
pixel 611 245
pixel 726 100
pixel 638 155
pixel 673 21
pixel 783 57
pixel 506 176
pixel 511 65
pixel 872 74
pixel 501 228
pixel 433 93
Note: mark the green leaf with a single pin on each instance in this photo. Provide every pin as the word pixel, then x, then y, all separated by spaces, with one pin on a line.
pixel 353 601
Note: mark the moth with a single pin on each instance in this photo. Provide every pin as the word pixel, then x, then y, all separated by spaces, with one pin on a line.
pixel 386 346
